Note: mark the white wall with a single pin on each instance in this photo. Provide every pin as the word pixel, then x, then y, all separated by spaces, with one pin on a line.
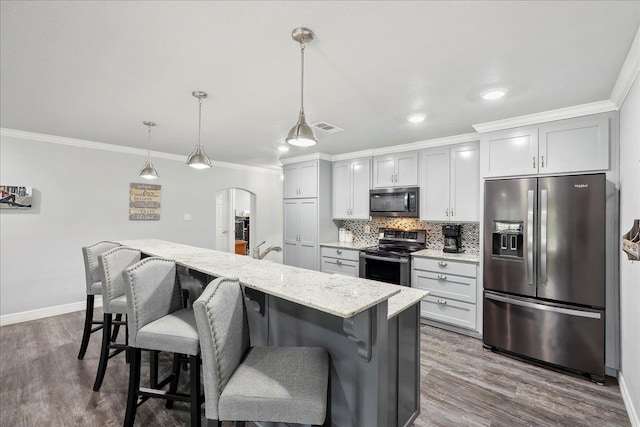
pixel 243 202
pixel 630 271
pixel 81 195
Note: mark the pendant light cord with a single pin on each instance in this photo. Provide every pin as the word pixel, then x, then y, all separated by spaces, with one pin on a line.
pixel 149 142
pixel 302 78
pixel 199 118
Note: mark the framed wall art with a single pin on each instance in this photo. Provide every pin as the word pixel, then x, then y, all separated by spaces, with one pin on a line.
pixel 144 202
pixel 15 197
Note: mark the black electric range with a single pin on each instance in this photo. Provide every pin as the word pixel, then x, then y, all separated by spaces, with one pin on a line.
pixel 391 262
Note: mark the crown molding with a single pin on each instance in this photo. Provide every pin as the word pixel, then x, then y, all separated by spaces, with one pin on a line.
pixel 353 155
pixel 628 73
pixel 306 157
pixel 448 140
pixel 547 116
pixel 63 140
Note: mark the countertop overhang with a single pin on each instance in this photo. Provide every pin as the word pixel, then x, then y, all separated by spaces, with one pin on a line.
pixel 339 295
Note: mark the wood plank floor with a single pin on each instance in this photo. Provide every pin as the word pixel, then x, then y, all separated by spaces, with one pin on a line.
pixel 43 383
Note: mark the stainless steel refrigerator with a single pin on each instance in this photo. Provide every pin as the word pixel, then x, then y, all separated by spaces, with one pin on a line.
pixel 544 270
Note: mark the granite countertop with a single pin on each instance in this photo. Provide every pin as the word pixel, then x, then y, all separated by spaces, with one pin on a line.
pixel 345 245
pixel 432 253
pixel 405 299
pixel 342 296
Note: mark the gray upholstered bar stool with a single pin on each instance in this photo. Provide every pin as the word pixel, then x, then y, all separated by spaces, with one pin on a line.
pixel 114 301
pixel 269 384
pixel 157 322
pixel 94 287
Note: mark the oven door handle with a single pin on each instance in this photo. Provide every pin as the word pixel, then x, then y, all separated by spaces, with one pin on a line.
pixel 382 258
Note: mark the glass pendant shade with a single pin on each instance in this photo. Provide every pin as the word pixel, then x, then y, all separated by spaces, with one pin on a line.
pixel 148 171
pixel 301 135
pixel 199 159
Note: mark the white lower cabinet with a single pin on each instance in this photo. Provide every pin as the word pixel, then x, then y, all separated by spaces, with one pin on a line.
pixel 452 287
pixel 340 261
pixel 300 233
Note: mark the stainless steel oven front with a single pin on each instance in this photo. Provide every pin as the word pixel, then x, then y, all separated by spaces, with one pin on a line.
pixel 390 268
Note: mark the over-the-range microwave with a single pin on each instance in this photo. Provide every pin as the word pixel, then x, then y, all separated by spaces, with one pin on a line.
pixel 394 202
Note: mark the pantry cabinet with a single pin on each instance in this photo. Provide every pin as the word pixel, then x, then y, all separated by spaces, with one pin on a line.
pixel 450 183
pixel 301 180
pixel 300 233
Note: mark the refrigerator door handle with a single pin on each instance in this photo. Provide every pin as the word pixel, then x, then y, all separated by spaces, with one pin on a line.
pixel 544 307
pixel 530 237
pixel 542 279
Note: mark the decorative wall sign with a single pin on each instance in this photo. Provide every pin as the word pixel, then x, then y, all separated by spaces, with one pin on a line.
pixel 144 202
pixel 15 197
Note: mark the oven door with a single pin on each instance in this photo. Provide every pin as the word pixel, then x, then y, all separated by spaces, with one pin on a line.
pixel 386 268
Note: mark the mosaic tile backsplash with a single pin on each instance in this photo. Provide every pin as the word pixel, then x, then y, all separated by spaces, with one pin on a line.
pixel 470 232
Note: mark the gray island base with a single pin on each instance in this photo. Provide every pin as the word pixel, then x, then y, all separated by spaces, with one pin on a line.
pixel 370 329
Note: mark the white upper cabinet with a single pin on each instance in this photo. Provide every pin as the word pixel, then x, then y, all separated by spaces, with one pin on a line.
pixel 351 183
pixel 509 153
pixel 434 184
pixel 395 170
pixel 574 146
pixel 301 180
pixel 450 183
pixel 565 146
pixel 464 198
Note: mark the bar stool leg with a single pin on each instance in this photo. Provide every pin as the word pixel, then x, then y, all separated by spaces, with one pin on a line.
pixel 196 396
pixel 134 387
pixel 173 387
pixel 104 351
pixel 88 318
pixel 116 327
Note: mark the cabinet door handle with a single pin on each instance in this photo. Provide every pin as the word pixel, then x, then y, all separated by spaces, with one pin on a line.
pixel 442 277
pixel 451 212
pixel 542 162
pixel 534 162
pixel 441 301
pixel 339 251
pixel 446 212
pixel 442 264
pixel 338 262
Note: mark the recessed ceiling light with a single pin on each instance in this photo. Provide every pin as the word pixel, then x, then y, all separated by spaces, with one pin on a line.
pixel 492 94
pixel 283 148
pixel 416 118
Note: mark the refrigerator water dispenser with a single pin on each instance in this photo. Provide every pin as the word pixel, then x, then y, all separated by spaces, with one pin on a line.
pixel 507 239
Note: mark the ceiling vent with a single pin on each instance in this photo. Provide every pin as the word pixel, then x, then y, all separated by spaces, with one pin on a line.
pixel 327 127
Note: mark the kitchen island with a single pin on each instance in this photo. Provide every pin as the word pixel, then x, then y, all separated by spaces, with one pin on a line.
pixel 370 329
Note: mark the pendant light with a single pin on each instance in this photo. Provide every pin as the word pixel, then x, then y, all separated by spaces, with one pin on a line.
pixel 148 171
pixel 301 134
pixel 199 159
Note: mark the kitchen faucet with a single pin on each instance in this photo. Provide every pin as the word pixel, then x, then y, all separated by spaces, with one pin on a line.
pixel 259 255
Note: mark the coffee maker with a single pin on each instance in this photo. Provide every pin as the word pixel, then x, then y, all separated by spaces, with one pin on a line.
pixel 452 238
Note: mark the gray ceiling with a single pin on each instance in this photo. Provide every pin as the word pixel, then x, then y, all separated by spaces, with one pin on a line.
pixel 96 70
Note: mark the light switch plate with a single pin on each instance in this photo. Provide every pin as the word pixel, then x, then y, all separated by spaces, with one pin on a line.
pixel 367 229
pixel 187 217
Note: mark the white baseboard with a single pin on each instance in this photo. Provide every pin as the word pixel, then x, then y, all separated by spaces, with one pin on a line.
pixel 25 316
pixel 628 403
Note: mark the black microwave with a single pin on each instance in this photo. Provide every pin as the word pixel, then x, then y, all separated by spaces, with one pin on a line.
pixel 394 202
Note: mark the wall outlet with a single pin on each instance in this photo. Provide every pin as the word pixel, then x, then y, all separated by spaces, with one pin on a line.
pixel 367 229
pixel 187 217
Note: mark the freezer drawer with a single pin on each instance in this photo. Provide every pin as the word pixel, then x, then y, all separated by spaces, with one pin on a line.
pixel 563 335
pixel 449 311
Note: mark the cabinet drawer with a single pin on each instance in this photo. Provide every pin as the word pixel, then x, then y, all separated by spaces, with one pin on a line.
pixel 445 266
pixel 445 285
pixel 332 265
pixel 449 311
pixel 344 254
